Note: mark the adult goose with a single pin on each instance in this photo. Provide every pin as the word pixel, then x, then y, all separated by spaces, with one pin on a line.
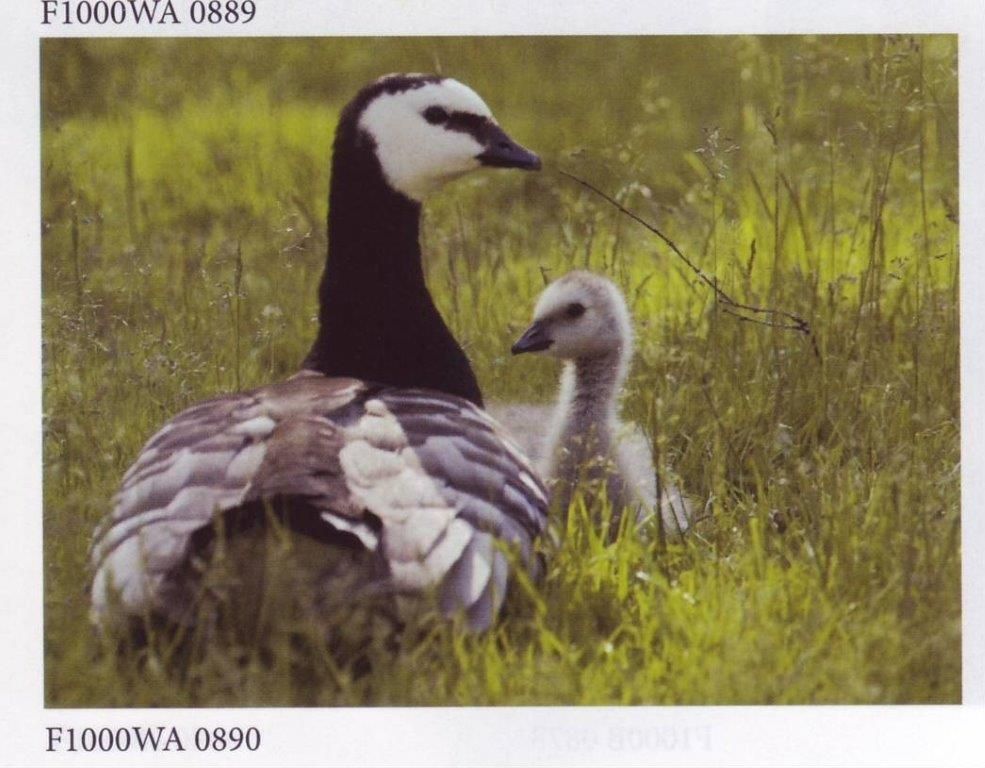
pixel 582 319
pixel 377 454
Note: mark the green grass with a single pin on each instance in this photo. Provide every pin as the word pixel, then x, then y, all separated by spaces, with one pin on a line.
pixel 184 198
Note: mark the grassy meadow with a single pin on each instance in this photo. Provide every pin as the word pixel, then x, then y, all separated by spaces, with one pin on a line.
pixel 184 201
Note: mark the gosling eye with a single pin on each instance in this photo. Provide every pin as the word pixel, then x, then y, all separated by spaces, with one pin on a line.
pixel 436 115
pixel 574 310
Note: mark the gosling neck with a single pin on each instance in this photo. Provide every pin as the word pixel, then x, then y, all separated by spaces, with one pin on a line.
pixel 589 396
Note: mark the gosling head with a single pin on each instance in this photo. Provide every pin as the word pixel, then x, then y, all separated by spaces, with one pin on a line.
pixel 426 130
pixel 578 317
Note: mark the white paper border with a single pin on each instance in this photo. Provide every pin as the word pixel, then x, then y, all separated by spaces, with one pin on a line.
pixel 753 736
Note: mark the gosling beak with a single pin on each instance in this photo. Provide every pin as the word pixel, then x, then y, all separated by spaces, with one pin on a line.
pixel 534 339
pixel 502 152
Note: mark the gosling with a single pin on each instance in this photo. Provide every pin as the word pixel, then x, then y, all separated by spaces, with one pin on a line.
pixel 583 320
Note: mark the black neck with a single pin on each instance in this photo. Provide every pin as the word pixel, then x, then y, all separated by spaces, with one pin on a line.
pixel 377 320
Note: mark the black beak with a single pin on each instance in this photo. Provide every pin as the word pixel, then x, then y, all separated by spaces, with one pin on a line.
pixel 502 152
pixel 534 339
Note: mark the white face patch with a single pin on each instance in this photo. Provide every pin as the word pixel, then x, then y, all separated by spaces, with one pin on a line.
pixel 416 156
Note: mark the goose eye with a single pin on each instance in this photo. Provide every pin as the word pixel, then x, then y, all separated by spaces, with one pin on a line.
pixel 574 310
pixel 436 115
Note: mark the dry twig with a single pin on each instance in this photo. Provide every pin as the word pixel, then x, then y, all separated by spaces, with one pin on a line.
pixel 773 318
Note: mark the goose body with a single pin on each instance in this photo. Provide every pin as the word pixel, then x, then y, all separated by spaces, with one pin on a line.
pixel 582 319
pixel 377 454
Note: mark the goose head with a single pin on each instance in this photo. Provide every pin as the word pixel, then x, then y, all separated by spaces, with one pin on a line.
pixel 578 317
pixel 426 130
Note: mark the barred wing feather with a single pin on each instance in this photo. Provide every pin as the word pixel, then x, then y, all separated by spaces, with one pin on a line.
pixel 426 482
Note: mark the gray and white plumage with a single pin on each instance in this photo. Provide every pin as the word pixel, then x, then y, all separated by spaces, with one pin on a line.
pixel 583 320
pixel 426 483
pixel 403 487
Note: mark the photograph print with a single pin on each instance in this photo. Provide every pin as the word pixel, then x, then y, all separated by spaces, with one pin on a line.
pixel 472 371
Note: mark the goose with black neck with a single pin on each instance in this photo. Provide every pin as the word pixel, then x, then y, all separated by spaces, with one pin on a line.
pixel 376 455
pixel 397 142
